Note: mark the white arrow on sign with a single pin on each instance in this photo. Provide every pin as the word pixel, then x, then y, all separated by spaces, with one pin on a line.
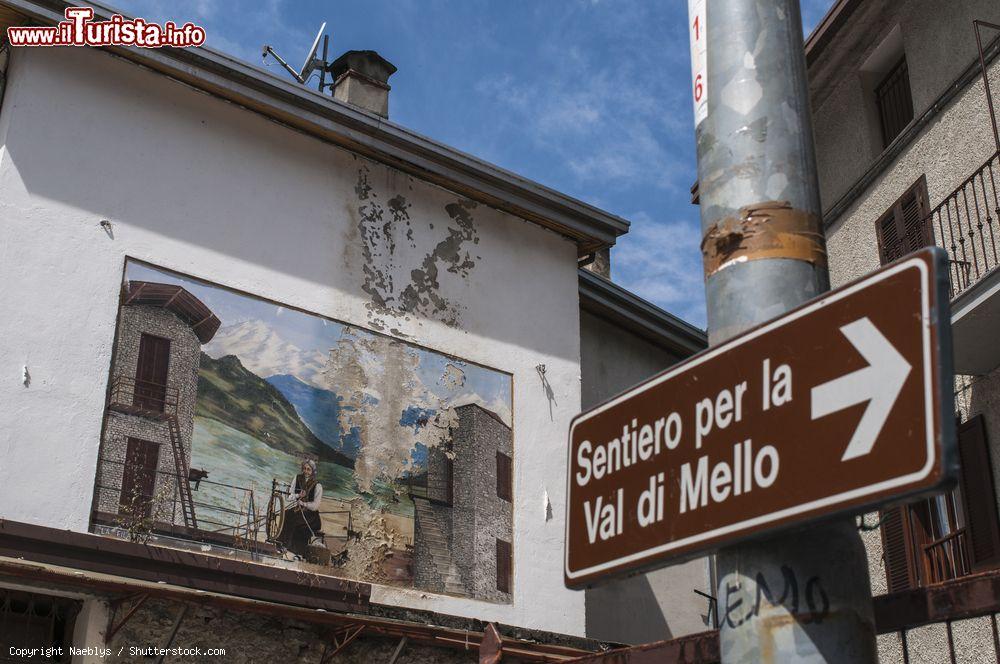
pixel 879 383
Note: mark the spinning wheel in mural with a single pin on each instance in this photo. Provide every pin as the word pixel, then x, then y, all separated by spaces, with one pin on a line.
pixel 275 514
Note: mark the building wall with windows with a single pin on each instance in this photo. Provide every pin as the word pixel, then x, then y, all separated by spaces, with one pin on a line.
pixel 881 197
pixel 949 149
pixel 465 514
pixel 844 76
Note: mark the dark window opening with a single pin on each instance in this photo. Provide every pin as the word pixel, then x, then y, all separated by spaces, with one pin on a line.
pixel 894 101
pixel 151 373
pixel 437 482
pixel 505 477
pixel 950 535
pixel 449 480
pixel 139 477
pixel 29 620
pixel 504 565
pixel 905 226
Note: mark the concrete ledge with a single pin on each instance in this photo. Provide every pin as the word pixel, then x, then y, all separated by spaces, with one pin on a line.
pixel 966 597
pixel 975 318
pixel 608 300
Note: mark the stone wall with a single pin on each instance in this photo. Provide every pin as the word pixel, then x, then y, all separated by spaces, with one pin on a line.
pixel 256 639
pixel 185 356
pixel 425 572
pixel 118 429
pixel 437 473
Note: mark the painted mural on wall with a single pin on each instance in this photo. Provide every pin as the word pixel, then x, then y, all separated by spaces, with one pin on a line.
pixel 243 428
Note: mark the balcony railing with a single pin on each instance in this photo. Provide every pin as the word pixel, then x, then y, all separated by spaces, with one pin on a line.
pixel 228 514
pixel 141 397
pixel 965 225
pixel 222 508
pixel 947 558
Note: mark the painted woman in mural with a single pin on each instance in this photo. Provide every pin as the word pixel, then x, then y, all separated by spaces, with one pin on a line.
pixel 302 519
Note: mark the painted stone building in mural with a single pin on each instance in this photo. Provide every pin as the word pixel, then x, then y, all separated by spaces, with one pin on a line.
pixel 146 448
pixel 464 524
pixel 380 297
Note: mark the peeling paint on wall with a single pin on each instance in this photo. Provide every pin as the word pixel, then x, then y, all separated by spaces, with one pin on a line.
pixel 380 379
pixel 373 546
pixel 389 245
pixel 453 376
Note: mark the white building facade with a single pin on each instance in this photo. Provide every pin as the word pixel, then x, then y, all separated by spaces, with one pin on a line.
pixel 230 188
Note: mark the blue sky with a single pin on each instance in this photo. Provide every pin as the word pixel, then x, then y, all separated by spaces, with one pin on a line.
pixel 589 97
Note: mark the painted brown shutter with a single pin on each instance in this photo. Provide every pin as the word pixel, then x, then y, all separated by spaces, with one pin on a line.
pixel 904 227
pixel 504 477
pixel 504 565
pixel 891 245
pixel 139 476
pixel 897 549
pixel 913 212
pixel 151 371
pixel 978 496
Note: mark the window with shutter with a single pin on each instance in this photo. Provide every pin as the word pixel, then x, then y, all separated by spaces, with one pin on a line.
pixel 904 227
pixel 152 367
pixel 504 477
pixel 897 549
pixel 979 497
pixel 504 565
pixel 895 102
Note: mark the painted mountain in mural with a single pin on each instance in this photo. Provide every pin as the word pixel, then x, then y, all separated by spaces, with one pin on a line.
pixel 230 393
pixel 266 353
pixel 320 410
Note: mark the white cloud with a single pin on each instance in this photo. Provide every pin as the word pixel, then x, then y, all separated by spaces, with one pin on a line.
pixel 661 261
pixel 611 121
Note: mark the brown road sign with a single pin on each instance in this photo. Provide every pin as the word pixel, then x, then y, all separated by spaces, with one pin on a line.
pixel 838 406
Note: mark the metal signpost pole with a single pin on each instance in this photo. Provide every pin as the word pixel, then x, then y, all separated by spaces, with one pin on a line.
pixel 803 596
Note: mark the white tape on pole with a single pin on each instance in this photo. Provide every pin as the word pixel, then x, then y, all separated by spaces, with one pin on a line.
pixel 698 28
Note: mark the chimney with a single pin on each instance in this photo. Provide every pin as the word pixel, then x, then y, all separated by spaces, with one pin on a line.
pixel 361 78
pixel 601 263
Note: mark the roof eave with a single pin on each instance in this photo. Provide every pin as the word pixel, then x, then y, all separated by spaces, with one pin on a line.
pixel 361 132
pixel 607 299
pixel 825 32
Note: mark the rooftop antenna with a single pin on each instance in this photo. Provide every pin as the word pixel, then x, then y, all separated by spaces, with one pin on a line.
pixel 311 64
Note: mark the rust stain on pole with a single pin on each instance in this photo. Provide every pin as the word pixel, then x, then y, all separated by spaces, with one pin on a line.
pixel 771 229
